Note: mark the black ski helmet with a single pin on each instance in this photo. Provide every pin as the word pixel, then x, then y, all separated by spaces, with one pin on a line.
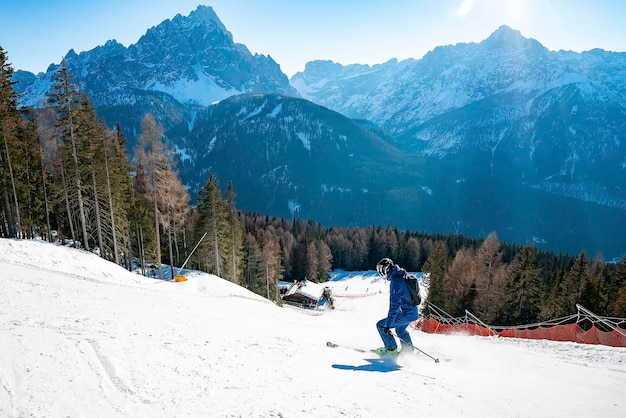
pixel 384 266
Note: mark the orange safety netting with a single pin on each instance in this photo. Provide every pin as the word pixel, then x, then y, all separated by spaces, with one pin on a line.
pixel 562 332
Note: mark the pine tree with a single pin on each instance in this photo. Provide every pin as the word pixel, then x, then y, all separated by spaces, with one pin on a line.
pixel 413 251
pixel 9 122
pixel 594 293
pixel 572 287
pixel 619 305
pixel 299 256
pixel 252 271
pixel 23 209
pixel 66 100
pixel 359 254
pixel 90 139
pixel 340 246
pixel 287 243
pixel 549 308
pixel 524 290
pixel 25 178
pixel 40 180
pixel 141 230
pixel 436 266
pixel 212 219
pixel 118 187
pixel 234 261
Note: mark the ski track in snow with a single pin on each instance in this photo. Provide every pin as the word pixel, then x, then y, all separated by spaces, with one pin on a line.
pixel 81 337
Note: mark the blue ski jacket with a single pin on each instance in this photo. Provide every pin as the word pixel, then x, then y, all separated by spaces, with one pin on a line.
pixel 400 307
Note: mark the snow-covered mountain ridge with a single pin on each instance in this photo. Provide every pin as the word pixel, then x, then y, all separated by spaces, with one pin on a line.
pixel 175 66
pixel 505 91
pixel 402 95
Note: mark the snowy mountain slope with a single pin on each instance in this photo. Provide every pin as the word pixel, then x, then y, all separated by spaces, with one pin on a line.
pixel 287 156
pixel 507 122
pixel 507 96
pixel 83 337
pixel 349 89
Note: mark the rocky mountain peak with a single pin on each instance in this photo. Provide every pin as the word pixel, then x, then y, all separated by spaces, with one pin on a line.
pixel 205 15
pixel 193 60
pixel 510 39
pixel 505 34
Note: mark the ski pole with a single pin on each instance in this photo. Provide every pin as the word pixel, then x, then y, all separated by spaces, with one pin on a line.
pixel 411 344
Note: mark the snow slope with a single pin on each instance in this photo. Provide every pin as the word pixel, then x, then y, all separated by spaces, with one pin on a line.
pixel 82 337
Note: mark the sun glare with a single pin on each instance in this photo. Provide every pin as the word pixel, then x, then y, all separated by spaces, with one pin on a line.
pixel 513 12
pixel 465 7
pixel 516 10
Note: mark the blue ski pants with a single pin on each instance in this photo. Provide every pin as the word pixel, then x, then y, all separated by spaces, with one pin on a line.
pixel 400 324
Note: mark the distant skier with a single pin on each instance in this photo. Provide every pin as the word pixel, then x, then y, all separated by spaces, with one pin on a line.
pixel 401 310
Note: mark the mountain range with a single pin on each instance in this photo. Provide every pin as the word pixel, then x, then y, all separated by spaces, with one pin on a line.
pixel 502 135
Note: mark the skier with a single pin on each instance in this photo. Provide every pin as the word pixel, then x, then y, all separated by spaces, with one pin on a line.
pixel 401 310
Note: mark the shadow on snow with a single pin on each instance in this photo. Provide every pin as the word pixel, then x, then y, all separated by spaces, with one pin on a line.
pixel 380 365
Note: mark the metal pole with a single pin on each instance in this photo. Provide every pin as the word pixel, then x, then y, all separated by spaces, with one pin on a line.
pixel 478 321
pixel 600 319
pixel 411 344
pixel 192 251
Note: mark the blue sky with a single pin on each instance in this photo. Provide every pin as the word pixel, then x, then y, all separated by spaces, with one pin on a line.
pixel 37 33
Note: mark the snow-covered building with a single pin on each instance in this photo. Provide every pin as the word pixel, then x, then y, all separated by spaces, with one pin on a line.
pixel 307 294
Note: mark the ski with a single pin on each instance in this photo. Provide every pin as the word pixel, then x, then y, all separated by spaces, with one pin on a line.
pixel 360 350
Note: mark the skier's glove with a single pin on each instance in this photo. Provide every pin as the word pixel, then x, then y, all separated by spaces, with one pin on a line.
pixel 387 330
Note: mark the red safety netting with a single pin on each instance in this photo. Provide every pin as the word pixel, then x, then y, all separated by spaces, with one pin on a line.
pixel 592 334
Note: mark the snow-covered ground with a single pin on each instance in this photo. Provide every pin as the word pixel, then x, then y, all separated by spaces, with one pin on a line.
pixel 82 337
